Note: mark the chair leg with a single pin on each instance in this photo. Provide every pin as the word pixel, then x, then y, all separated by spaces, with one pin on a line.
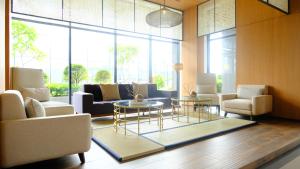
pixel 251 117
pixel 225 114
pixel 81 157
pixel 218 108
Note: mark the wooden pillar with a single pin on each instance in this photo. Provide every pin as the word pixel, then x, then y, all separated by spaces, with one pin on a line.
pixel 7 42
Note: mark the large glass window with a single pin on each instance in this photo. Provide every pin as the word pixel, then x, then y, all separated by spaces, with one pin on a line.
pixel 45 47
pixel 132 59
pixel 164 56
pixel 222 59
pixel 92 57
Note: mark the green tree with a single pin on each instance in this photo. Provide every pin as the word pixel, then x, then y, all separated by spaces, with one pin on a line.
pixel 79 73
pixel 103 76
pixel 23 45
pixel 159 81
pixel 219 83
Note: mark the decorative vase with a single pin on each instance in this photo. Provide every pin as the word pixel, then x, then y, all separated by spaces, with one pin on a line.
pixel 139 98
pixel 193 94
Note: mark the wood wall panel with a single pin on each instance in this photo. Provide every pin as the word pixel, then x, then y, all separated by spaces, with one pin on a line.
pixel 268 52
pixel 189 51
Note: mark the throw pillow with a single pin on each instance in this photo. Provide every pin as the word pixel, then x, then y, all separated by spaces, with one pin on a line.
pixel 140 89
pixel 34 108
pixel 248 92
pixel 206 89
pixel 40 94
pixel 110 92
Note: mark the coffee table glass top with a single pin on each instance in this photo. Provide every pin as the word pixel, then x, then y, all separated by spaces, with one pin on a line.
pixel 145 104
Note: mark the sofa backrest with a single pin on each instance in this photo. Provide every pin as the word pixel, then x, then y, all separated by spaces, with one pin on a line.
pixel 11 105
pixel 123 90
pixel 26 78
pixel 248 91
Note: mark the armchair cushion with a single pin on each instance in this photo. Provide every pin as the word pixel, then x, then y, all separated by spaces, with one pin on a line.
pixel 26 77
pixel 11 105
pixel 40 94
pixel 34 108
pixel 248 92
pixel 206 89
pixel 53 108
pixel 214 97
pixel 244 104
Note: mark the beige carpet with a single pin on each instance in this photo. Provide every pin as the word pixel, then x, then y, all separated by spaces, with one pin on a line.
pixel 125 147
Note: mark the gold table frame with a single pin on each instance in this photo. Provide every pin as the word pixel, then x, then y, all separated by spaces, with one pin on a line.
pixel 186 102
pixel 120 108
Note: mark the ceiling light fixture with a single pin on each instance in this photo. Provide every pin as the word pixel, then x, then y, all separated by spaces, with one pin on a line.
pixel 164 18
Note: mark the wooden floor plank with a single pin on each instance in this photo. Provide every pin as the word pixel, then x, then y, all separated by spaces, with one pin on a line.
pixel 246 148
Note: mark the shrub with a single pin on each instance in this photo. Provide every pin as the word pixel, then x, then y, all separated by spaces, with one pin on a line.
pixel 61 89
pixel 159 81
pixel 103 76
pixel 219 83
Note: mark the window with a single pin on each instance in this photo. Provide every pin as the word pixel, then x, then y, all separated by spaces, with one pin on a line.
pixel 164 56
pixel 44 47
pixel 93 56
pixel 221 59
pixel 132 59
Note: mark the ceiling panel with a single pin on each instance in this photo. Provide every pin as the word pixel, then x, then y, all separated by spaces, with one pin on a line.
pixel 179 4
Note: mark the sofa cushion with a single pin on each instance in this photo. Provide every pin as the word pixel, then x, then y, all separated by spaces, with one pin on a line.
pixel 11 105
pixel 53 108
pixel 244 104
pixel 40 94
pixel 110 92
pixel 206 89
pixel 152 90
pixel 126 91
pixel 248 92
pixel 93 89
pixel 140 89
pixel 34 108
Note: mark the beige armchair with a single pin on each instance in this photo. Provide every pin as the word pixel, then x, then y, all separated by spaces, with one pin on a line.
pixel 26 140
pixel 24 78
pixel 207 88
pixel 249 100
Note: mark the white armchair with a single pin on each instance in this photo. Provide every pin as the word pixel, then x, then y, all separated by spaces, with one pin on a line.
pixel 207 88
pixel 25 140
pixel 249 100
pixel 28 78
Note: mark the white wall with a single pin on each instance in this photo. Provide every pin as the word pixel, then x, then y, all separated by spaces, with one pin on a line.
pixel 2 44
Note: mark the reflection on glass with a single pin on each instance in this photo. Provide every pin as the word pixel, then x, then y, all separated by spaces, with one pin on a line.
pixel 92 57
pixel 164 56
pixel 132 59
pixel 222 60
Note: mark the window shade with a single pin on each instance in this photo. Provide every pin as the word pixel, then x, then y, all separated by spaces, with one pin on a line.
pixel 42 8
pixel 127 15
pixel 82 11
pixel 215 16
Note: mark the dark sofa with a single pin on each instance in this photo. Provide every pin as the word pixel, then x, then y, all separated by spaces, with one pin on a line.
pixel 91 101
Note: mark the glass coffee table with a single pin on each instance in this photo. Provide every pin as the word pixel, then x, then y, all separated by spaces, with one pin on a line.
pixel 186 103
pixel 122 108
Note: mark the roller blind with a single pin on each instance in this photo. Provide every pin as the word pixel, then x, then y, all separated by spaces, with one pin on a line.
pixel 215 16
pixel 126 15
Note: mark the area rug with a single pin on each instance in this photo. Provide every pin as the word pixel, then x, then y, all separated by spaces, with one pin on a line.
pixel 176 133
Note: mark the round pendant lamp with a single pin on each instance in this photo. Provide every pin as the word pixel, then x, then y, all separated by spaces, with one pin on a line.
pixel 163 18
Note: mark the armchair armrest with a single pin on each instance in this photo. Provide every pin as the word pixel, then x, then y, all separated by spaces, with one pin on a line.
pixel 228 96
pixel 261 104
pixel 35 139
pixel 83 102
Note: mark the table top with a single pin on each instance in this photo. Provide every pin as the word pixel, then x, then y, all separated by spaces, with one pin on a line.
pixel 147 104
pixel 192 99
